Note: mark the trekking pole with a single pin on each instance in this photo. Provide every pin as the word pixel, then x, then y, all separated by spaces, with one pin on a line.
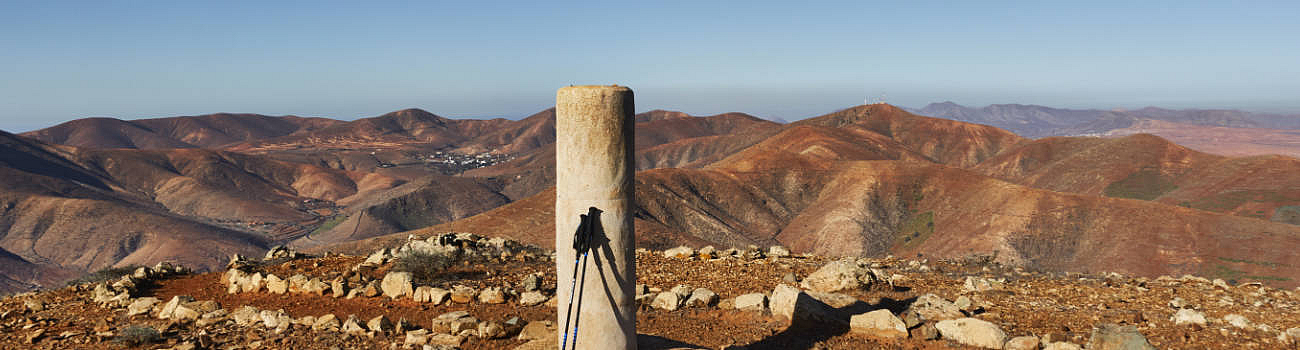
pixel 581 245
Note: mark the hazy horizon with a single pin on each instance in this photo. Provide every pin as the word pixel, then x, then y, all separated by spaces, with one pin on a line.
pixel 640 109
pixel 71 60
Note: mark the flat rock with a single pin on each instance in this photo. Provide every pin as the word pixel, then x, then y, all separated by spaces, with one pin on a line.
pixel 142 306
pixel 446 339
pixel 491 330
pixel 1062 345
pixel 438 296
pixel 463 294
pixel 981 284
pixel 1022 343
pixel 1115 337
pixel 973 332
pixel 417 337
pixel 838 275
pixel 880 323
pixel 835 300
pixel 492 295
pixel 532 298
pixel 1238 321
pixel 931 307
pixel 751 302
pixel 327 322
pixel 1189 317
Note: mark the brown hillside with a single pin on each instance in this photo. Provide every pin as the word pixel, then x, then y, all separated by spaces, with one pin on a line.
pixel 876 208
pixel 944 141
pixel 663 139
pixel 66 219
pixel 1228 141
pixel 222 185
pixel 1148 167
pixel 652 129
pixel 426 202
pixel 816 147
pixel 528 134
pixel 18 274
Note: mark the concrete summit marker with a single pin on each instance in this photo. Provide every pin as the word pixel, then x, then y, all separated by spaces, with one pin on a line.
pixel 594 168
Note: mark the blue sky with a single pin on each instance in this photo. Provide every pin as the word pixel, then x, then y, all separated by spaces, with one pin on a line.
pixel 62 60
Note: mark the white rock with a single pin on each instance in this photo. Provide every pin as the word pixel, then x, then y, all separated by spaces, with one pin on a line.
pixel 838 275
pixel 667 301
pixel 491 330
pixel 797 306
pixel 251 283
pixel 377 258
pixel 1189 317
pixel 246 315
pixel 778 251
pixel 327 322
pixel 276 285
pixel 492 295
pixel 682 252
pixel 1238 321
pixel 931 307
pixel 352 326
pixel 446 339
pixel 463 294
pixel 532 298
pixel 421 294
pixel 380 324
pixel 1062 345
pixel 142 306
pixel 271 319
pixel 438 296
pixel 170 307
pixel 702 297
pixel 1291 334
pixel 397 284
pixel 417 337
pixel 751 302
pixel 981 284
pixel 682 291
pixel 973 332
pixel 1022 343
pixel 880 323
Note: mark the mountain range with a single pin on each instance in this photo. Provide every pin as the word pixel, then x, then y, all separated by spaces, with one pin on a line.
pixel 868 180
pixel 1041 121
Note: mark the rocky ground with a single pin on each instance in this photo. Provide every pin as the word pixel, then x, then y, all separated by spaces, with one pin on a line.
pixel 496 294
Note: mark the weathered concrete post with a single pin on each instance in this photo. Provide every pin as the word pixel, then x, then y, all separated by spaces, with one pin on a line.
pixel 594 166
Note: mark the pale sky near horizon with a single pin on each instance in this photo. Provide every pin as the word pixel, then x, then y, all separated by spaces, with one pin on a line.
pixel 62 60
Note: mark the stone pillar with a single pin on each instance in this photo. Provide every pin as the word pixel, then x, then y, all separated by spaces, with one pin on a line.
pixel 594 166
